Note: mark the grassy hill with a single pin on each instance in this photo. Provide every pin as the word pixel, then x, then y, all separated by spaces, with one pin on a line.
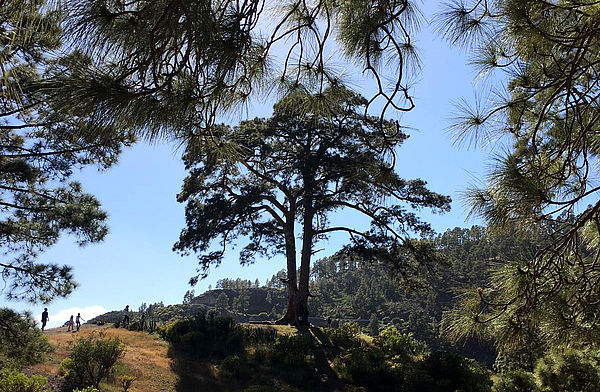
pixel 207 353
pixel 152 361
pixel 146 358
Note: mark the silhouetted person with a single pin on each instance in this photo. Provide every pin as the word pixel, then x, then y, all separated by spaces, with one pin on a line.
pixel 45 318
pixel 78 320
pixel 71 326
pixel 126 317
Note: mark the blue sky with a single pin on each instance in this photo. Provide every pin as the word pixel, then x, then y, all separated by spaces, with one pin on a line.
pixel 135 263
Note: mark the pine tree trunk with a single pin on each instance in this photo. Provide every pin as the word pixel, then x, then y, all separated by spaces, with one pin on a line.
pixel 291 314
pixel 297 310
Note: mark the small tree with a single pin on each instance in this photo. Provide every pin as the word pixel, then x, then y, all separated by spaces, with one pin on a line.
pixel 222 302
pixel 21 343
pixel 242 301
pixel 316 155
pixel 91 360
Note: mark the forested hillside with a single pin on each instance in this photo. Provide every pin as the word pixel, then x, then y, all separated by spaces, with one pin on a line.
pixel 345 288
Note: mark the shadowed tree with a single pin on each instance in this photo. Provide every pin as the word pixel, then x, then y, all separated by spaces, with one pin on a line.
pixel 21 342
pixel 40 147
pixel 548 108
pixel 316 155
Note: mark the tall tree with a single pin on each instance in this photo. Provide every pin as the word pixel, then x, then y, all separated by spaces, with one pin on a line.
pixel 317 155
pixel 176 65
pixel 549 52
pixel 40 147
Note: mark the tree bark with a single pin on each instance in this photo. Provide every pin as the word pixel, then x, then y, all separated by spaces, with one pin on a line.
pixel 291 314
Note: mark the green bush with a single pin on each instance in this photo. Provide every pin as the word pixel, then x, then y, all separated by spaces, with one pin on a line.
pixel 205 335
pixel 369 368
pixel 291 349
pixel 91 360
pixel 569 370
pixel 451 372
pixel 398 346
pixel 126 382
pixel 13 381
pixel 88 389
pixel 345 336
pixel 231 366
pixel 517 380
pixel 21 342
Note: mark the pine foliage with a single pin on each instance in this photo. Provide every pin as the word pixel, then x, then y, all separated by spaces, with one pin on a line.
pixel 41 144
pixel 545 54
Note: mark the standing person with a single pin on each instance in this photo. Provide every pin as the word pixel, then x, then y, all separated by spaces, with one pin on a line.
pixel 71 326
pixel 78 320
pixel 126 317
pixel 45 318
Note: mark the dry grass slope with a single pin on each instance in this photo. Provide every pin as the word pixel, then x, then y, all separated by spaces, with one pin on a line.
pixel 145 358
pixel 148 358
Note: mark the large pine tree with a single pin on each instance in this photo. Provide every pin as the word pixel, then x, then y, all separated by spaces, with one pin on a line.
pixel 318 154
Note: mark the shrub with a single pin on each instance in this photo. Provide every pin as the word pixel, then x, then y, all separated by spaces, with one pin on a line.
pixel 126 382
pixel 21 342
pixel 398 346
pixel 451 372
pixel 88 389
pixel 291 349
pixel 260 335
pixel 368 367
pixel 13 381
pixel 231 366
pixel 204 336
pixel 91 360
pixel 345 336
pixel 517 380
pixel 571 370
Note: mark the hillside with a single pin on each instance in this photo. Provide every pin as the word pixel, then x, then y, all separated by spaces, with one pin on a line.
pixel 207 353
pixel 155 365
pixel 147 357
pixel 347 289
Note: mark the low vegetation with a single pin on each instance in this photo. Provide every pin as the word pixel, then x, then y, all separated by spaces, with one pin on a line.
pixel 21 342
pixel 91 360
pixel 13 381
